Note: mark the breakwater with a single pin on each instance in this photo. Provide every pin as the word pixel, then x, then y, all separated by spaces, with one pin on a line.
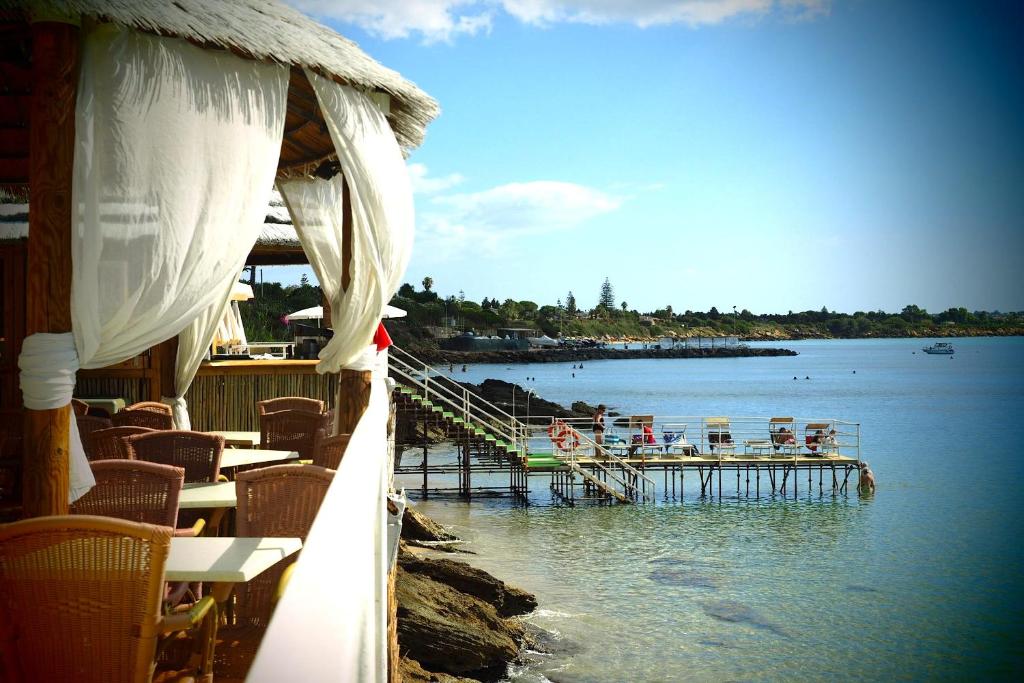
pixel 576 355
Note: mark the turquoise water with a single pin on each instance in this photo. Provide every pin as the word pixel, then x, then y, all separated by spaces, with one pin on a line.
pixel 922 581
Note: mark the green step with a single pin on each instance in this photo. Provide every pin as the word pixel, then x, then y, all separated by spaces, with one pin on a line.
pixel 405 390
pixel 458 420
pixel 449 415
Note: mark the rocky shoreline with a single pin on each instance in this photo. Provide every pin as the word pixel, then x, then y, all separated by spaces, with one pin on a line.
pixel 456 623
pixel 576 355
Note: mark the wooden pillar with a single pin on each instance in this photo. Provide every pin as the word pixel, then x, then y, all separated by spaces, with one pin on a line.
pixel 353 385
pixel 353 397
pixel 164 357
pixel 48 277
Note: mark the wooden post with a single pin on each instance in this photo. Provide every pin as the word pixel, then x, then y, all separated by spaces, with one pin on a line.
pixel 164 357
pixel 48 277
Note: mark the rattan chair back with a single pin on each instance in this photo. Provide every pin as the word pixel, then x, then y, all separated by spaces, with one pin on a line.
pixel 110 444
pixel 291 430
pixel 282 500
pixel 87 424
pixel 329 450
pixel 197 453
pixel 273 405
pixel 81 598
pixel 133 490
pixel 80 407
pixel 143 417
pixel 151 406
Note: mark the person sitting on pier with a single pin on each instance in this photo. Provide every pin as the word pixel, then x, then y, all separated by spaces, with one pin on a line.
pixel 782 437
pixel 814 440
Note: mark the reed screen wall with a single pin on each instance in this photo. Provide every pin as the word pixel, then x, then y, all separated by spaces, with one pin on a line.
pixel 228 402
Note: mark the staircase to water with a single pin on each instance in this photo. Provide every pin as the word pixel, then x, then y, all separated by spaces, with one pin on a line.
pixel 490 441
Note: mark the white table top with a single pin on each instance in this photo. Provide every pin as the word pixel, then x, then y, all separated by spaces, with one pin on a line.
pixel 233 457
pixel 203 495
pixel 225 559
pixel 251 439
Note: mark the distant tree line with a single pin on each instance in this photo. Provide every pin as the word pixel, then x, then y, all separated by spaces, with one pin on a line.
pixel 263 317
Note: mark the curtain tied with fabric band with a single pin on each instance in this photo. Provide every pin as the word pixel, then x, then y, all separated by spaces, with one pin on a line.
pixel 48 364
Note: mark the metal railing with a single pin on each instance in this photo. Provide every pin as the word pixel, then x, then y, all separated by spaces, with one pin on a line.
pixel 577 445
pixel 723 437
pixel 474 409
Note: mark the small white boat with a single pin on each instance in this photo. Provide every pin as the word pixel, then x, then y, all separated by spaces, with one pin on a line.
pixel 543 341
pixel 943 348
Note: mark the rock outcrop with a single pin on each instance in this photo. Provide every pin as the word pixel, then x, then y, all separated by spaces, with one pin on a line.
pixel 567 355
pixel 454 621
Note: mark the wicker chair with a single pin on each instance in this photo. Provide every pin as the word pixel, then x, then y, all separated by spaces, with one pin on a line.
pixel 109 443
pixel 152 406
pixel 137 491
pixel 82 600
pixel 80 407
pixel 274 501
pixel 87 424
pixel 144 417
pixel 196 452
pixel 292 430
pixel 329 450
pixel 272 405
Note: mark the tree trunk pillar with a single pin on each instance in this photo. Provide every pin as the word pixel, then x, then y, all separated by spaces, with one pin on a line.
pixel 48 277
pixel 353 398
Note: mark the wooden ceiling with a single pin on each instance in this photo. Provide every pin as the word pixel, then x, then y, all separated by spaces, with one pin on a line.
pixel 306 144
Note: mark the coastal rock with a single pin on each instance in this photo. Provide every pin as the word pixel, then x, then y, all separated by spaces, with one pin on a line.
pixel 412 672
pixel 507 600
pixel 583 408
pixel 567 355
pixel 450 631
pixel 502 394
pixel 418 527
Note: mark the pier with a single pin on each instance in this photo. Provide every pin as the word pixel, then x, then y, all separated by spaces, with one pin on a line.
pixel 642 457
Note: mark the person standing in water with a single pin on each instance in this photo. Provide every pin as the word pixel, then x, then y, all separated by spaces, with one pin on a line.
pixel 599 424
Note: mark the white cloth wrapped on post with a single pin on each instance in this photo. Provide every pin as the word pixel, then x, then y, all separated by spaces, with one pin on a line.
pixel 48 364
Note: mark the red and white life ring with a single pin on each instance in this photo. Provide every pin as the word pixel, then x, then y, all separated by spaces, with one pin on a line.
pixel 563 436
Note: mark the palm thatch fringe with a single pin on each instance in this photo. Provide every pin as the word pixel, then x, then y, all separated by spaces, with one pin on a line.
pixel 264 30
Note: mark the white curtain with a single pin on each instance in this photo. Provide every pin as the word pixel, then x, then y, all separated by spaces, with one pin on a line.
pixel 382 219
pixel 175 155
pixel 193 342
pixel 331 623
pixel 175 161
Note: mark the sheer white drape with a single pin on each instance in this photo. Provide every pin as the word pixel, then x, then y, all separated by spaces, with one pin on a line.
pixel 175 155
pixel 382 219
pixel 175 160
pixel 193 342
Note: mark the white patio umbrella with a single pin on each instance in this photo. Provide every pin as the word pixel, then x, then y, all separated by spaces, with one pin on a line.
pixel 317 313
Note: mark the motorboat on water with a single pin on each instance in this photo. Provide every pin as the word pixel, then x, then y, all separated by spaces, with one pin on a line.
pixel 942 348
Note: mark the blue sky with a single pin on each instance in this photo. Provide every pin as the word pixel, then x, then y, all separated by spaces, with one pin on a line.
pixel 769 155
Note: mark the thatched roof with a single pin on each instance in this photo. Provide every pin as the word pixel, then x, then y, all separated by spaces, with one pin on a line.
pixel 264 30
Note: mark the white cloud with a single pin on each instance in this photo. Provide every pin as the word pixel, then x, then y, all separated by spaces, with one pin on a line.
pixel 433 20
pixel 442 20
pixel 485 221
pixel 422 183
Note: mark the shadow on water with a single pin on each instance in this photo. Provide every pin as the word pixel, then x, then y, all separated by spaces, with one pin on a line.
pixel 737 613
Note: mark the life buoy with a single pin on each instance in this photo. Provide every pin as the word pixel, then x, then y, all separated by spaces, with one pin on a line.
pixel 556 431
pixel 568 439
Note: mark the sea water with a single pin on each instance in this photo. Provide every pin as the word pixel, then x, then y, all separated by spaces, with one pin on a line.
pixel 921 581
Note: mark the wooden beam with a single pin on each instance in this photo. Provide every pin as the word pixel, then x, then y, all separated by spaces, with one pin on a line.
pixel 48 286
pixel 353 385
